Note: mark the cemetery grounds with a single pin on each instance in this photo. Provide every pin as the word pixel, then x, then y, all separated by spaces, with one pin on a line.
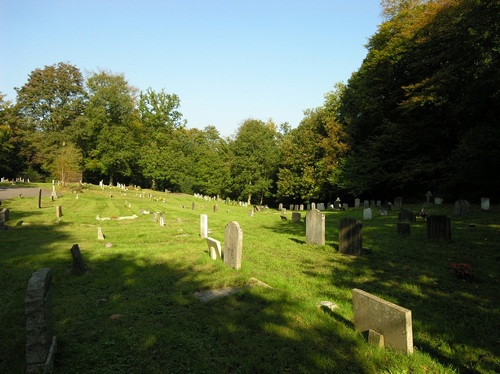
pixel 136 309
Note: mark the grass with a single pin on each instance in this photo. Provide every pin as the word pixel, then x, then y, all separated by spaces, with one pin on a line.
pixel 135 310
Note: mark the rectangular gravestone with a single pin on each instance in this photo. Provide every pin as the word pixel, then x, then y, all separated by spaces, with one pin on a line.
pixel 203 226
pixel 162 219
pixel 280 207
pixel 214 248
pixel 485 203
pixel 155 217
pixel 366 204
pixel 345 206
pixel 388 319
pixel 321 206
pixel 357 202
pixel 315 227
pixel 296 217
pixel 100 235
pixel 233 244
pixel 40 342
pixel 461 208
pixel 78 265
pixel 398 202
pixel 438 227
pixel 4 214
pixel 367 213
pixel 350 236
pixel 59 211
pixel 39 198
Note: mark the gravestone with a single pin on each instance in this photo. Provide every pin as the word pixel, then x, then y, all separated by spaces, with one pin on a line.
pixel 357 202
pixel 321 206
pixel 438 200
pixel 250 213
pixel 203 226
pixel 438 227
pixel 366 204
pixel 59 211
pixel 406 215
pixel 313 206
pixel 216 208
pixel 296 217
pixel 301 207
pixel 4 214
pixel 345 206
pixel 308 206
pixel 428 196
pixel 155 216
pixel 398 202
pixel 485 203
pixel 461 208
pixel 233 244
pixel 39 198
pixel 40 343
pixel 193 206
pixel 280 206
pixel 53 195
pixel 315 227
pixel 291 207
pixel 367 213
pixel 390 320
pixel 372 202
pixel 100 235
pixel 296 207
pixel 350 236
pixel 77 266
pixel 404 228
pixel 162 219
pixel 214 248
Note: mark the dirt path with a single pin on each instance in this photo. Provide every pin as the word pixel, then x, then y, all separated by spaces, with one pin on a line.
pixel 10 192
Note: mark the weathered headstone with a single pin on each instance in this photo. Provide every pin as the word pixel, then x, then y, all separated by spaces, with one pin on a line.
pixel 367 213
pixel 78 266
pixel 485 203
pixel 357 202
pixel 39 198
pixel 461 208
pixel 162 219
pixel 100 235
pixel 345 206
pixel 366 204
pixel 404 228
pixel 59 211
pixel 216 208
pixel 406 215
pixel 203 226
pixel 313 206
pixel 4 214
pixel 301 207
pixel 296 217
pixel 438 227
pixel 321 206
pixel 280 206
pixel 350 236
pixel 155 216
pixel 390 320
pixel 215 248
pixel 315 227
pixel 398 202
pixel 233 244
pixel 40 343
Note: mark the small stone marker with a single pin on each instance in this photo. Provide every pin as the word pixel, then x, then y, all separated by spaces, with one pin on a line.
pixel 4 214
pixel 216 208
pixel 375 338
pixel 40 343
pixel 203 226
pixel 485 203
pixel 367 213
pixel 438 227
pixel 233 244
pixel 59 211
pixel 193 206
pixel 39 198
pixel 390 320
pixel 461 208
pixel 100 235
pixel 404 228
pixel 315 227
pixel 215 248
pixel 350 236
pixel 78 266
pixel 296 217
pixel 155 217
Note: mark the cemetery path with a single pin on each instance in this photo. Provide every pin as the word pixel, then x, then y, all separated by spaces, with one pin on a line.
pixel 10 192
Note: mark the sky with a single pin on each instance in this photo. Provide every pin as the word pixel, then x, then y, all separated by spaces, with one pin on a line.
pixel 227 60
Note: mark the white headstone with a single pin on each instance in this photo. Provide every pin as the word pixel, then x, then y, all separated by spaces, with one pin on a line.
pixel 215 248
pixel 367 213
pixel 203 226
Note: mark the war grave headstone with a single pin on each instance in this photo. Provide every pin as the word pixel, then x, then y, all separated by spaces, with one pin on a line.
pixel 350 236
pixel 438 227
pixel 203 226
pixel 296 217
pixel 372 202
pixel 461 209
pixel 315 227
pixel 385 318
pixel 214 248
pixel 233 244
pixel 367 213
pixel 485 203
pixel 41 344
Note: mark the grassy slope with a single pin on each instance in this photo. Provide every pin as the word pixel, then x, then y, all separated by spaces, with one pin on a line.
pixel 135 310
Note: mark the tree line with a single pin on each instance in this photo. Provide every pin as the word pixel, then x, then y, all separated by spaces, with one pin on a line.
pixel 421 113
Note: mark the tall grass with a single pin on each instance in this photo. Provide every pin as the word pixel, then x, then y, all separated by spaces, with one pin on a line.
pixel 135 310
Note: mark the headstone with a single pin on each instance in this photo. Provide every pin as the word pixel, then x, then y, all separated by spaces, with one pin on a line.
pixel 40 343
pixel 372 202
pixel 321 206
pixel 398 202
pixel 250 213
pixel 379 202
pixel 367 213
pixel 345 206
pixel 366 204
pixel 216 208
pixel 313 205
pixel 59 211
pixel 233 244
pixel 350 236
pixel 280 206
pixel 308 206
pixel 296 207
pixel 438 200
pixel 291 207
pixel 4 214
pixel 214 248
pixel 193 206
pixel 301 207
pixel 461 208
pixel 315 227
pixel 100 235
pixel 357 202
pixel 404 228
pixel 53 195
pixel 485 203
pixel 77 266
pixel 438 227
pixel 296 217
pixel 428 196
pixel 406 215
pixel 39 198
pixel 203 226
pixel 390 320
pixel 155 217
pixel 162 219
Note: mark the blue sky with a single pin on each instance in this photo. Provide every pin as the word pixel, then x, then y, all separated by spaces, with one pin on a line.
pixel 226 60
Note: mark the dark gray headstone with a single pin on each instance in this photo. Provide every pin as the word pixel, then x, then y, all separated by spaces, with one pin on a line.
pixel 350 236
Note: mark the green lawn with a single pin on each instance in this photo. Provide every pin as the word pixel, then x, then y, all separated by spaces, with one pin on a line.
pixel 135 310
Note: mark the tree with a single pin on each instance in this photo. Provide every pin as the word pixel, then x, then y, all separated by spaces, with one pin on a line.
pixel 159 111
pixel 255 154
pixel 7 157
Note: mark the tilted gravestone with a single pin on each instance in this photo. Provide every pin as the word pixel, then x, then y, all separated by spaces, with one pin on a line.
pixel 461 208
pixel 438 227
pixel 315 227
pixel 214 248
pixel 296 217
pixel 40 342
pixel 385 318
pixel 233 244
pixel 350 236
pixel 203 226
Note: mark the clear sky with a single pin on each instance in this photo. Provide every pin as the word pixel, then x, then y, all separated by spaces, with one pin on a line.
pixel 227 60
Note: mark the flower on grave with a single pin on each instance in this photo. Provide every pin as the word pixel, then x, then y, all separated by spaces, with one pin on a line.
pixel 462 270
